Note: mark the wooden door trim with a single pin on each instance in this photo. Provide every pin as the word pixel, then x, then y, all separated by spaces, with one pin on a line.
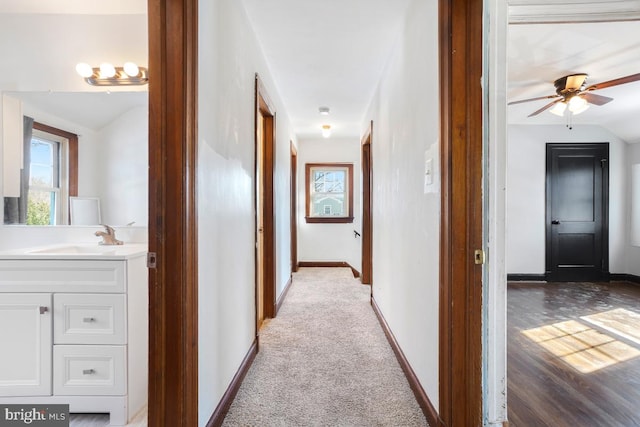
pixel 461 101
pixel 265 107
pixel 72 156
pixel 294 207
pixel 173 284
pixel 367 218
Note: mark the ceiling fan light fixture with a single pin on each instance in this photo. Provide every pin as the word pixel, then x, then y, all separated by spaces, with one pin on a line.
pixel 577 105
pixel 559 109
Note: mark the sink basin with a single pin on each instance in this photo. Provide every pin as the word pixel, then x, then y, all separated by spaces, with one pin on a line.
pixel 76 249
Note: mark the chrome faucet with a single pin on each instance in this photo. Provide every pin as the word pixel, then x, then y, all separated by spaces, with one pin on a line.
pixel 108 236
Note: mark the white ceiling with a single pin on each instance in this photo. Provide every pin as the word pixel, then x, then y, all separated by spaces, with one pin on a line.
pixel 332 53
pixel 326 53
pixel 93 110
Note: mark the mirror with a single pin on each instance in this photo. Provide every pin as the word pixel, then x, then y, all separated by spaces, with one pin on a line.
pixel 112 158
pixel 41 43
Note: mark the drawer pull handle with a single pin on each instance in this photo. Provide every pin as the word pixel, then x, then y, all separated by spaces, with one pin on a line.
pixel 88 319
pixel 88 372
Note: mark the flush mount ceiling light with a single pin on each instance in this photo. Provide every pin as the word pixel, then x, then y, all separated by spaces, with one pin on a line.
pixel 324 111
pixel 326 131
pixel 108 75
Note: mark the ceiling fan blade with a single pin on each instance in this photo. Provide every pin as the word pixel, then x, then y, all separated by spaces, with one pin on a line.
pixel 549 105
pixel 614 82
pixel 596 99
pixel 532 99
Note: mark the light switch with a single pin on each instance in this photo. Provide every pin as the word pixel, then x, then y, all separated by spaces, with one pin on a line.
pixel 428 172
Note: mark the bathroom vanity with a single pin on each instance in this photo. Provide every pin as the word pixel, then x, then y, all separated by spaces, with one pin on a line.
pixel 74 328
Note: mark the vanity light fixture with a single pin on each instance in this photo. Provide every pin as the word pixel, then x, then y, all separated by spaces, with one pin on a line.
pixel 326 131
pixel 109 75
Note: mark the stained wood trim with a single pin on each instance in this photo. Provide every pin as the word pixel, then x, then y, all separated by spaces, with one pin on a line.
pixel 427 407
pixel 367 215
pixel 265 107
pixel 461 136
pixel 294 207
pixel 73 153
pixel 283 295
pixel 355 272
pixel 222 409
pixel 173 285
pixel 526 278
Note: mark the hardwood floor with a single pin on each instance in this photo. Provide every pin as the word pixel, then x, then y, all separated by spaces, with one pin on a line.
pixel 573 354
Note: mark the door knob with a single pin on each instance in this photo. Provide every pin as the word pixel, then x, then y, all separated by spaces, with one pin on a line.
pixel 555 222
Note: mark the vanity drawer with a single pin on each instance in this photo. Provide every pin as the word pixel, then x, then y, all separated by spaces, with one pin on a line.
pixel 89 319
pixel 89 370
pixel 87 276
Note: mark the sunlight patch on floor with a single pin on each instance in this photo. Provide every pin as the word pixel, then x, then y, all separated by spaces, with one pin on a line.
pixel 620 321
pixel 582 347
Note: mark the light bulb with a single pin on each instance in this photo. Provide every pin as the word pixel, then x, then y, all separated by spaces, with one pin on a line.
pixel 107 70
pixel 326 131
pixel 559 108
pixel 84 69
pixel 131 69
pixel 577 105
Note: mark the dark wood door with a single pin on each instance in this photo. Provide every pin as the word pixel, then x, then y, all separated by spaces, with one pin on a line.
pixel 577 212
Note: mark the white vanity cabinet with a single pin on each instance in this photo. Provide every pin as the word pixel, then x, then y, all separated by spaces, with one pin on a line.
pixel 73 330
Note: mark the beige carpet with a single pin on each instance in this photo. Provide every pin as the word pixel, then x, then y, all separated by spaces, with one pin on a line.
pixel 324 361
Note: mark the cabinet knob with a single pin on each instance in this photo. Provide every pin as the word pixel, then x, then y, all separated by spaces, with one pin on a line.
pixel 88 372
pixel 88 319
pixel 43 310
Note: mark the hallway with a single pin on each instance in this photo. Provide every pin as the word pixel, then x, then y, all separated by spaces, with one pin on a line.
pixel 325 361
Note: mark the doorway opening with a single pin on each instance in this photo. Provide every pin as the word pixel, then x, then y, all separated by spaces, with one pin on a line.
pixel 367 220
pixel 265 122
pixel 294 207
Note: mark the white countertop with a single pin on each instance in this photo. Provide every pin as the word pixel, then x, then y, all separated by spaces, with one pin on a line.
pixel 69 251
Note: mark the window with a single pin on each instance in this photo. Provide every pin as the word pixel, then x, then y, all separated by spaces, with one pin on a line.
pixel 329 193
pixel 44 182
pixel 52 175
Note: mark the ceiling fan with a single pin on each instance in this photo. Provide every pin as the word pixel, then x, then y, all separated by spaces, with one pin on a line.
pixel 573 94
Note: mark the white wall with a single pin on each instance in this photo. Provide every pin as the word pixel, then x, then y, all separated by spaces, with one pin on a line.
pixel 526 159
pixel 122 164
pixel 406 221
pixel 330 242
pixel 229 57
pixel 40 51
pixel 633 252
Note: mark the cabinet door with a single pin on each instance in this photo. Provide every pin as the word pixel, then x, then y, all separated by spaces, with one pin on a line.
pixel 25 334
